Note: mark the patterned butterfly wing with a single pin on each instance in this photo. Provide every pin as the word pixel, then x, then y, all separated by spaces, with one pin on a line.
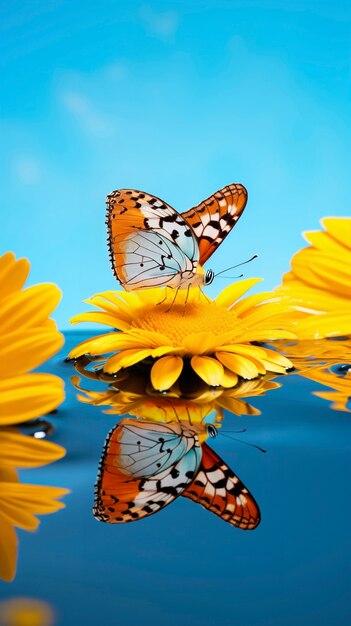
pixel 219 490
pixel 213 219
pixel 150 244
pixel 144 467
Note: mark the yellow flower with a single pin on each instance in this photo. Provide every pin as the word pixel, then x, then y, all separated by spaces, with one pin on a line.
pixel 320 281
pixel 213 338
pixel 27 338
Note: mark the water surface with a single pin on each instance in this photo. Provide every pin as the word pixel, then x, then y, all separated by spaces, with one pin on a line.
pixel 184 565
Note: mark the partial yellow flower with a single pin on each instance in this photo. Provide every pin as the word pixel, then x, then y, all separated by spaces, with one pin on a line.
pixel 20 503
pixel 340 383
pixel 213 338
pixel 13 274
pixel 311 353
pixel 21 451
pixel 28 337
pixel 320 281
pixel 26 612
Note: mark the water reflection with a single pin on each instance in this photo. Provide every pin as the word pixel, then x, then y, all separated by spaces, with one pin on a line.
pixel 150 461
pixel 26 612
pixel 20 503
pixel 326 362
pixel 146 465
pixel 131 392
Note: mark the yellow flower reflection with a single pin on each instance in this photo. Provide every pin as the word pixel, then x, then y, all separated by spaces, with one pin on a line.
pixel 215 337
pixel 20 503
pixel 318 360
pixel 320 281
pixel 135 397
pixel 339 382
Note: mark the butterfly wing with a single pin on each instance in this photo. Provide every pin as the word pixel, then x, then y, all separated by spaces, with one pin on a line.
pixel 150 244
pixel 219 490
pixel 213 219
pixel 144 467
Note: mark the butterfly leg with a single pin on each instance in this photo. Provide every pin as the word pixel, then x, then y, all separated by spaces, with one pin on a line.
pixel 205 296
pixel 164 299
pixel 173 301
pixel 186 299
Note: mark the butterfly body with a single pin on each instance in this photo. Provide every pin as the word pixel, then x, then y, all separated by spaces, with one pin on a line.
pixel 147 465
pixel 152 245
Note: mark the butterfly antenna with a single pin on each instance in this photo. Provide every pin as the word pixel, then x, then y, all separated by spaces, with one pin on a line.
pixel 247 443
pixel 238 265
pixel 239 276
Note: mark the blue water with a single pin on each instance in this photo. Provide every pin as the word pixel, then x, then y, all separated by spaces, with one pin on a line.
pixel 185 565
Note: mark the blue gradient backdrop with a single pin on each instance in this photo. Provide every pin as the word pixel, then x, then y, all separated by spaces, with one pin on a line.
pixel 175 98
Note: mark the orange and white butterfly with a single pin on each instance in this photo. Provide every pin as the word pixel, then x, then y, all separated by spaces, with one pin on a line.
pixel 152 245
pixel 147 465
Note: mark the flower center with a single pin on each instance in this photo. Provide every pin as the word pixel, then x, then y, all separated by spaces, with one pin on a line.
pixel 178 321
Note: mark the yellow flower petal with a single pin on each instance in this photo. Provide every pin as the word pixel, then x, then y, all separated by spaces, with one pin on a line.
pixel 28 396
pixel 238 364
pixel 339 228
pixel 24 350
pixel 199 343
pixel 126 358
pixel 229 379
pixel 15 515
pixel 325 325
pixel 22 451
pixel 8 550
pixel 98 317
pixel 137 339
pixel 13 274
pixel 233 292
pixel 209 369
pixel 165 372
pixel 20 503
pixel 323 241
pixel 28 308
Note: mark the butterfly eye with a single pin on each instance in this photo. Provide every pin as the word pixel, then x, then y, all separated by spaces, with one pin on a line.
pixel 209 276
pixel 211 430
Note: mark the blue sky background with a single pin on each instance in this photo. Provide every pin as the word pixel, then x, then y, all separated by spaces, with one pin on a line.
pixel 178 99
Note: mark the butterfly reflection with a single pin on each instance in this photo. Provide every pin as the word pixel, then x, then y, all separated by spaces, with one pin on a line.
pixel 147 465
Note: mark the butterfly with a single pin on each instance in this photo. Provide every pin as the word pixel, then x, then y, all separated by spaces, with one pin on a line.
pixel 147 465
pixel 152 245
